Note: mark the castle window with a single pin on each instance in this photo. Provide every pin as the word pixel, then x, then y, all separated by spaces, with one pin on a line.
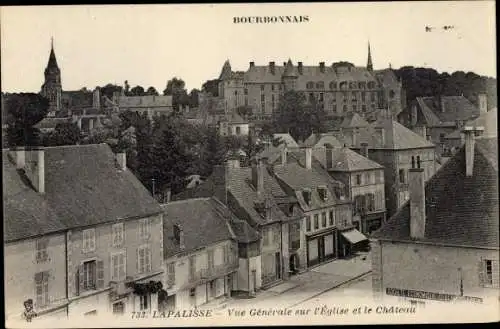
pixel 262 98
pixel 272 87
pixel 262 87
pixel 320 85
pixel 321 97
pixel 333 85
pixel 310 85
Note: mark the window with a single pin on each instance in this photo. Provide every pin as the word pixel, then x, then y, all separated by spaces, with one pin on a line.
pixel 276 235
pixel 42 288
pixel 210 259
pixel 320 85
pixel 333 85
pixel 308 224
pixel 370 199
pixel 238 130
pixel 272 87
pixel 372 97
pixel 41 250
pixel 170 274
pixel 236 93
pixel 261 87
pixel 354 107
pixel 89 240
pixel 118 308
pixel 358 179
pixel 490 273
pixel 262 98
pixel 323 219
pixel 363 108
pixel 245 91
pixel 402 178
pixel 316 221
pixel 321 97
pixel 192 292
pixel 144 228
pixel 331 218
pixel 144 302
pixel 310 85
pixel 118 266
pixel 117 233
pixel 226 254
pixel 192 267
pixel 363 96
pixel 144 259
pixel 89 270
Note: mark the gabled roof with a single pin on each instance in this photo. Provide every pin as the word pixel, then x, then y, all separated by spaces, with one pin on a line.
pixel 345 159
pixel 460 210
pixel 287 140
pixel 455 108
pixel 353 120
pixel 83 187
pixel 320 140
pixel 205 221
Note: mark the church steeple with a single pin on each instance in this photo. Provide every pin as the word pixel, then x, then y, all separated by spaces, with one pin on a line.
pixel 52 88
pixel 369 64
pixel 52 64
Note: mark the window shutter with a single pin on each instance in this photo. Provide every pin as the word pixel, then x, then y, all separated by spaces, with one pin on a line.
pixel 481 273
pixel 93 233
pixel 80 281
pixel 100 274
pixel 150 266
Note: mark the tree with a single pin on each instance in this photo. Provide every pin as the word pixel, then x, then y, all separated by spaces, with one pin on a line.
pixel 22 112
pixel 298 117
pixel 213 152
pixel 137 91
pixel 109 90
pixel 176 88
pixel 66 133
pixel 152 91
pixel 212 87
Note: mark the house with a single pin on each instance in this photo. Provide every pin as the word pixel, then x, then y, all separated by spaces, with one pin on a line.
pixel 448 228
pixel 393 146
pixel 435 117
pixel 90 224
pixel 364 180
pixel 487 120
pixel 347 121
pixel 150 105
pixel 320 140
pixel 228 124
pixel 200 252
pixel 326 228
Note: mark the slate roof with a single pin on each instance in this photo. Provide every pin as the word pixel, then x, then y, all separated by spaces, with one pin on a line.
pixel 205 221
pixel 145 101
pixel 460 210
pixel 243 231
pixel 287 139
pixel 318 140
pixel 345 159
pixel 83 187
pixel 455 108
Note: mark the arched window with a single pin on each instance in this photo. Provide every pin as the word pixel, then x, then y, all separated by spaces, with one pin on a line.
pixel 333 85
pixel 310 85
pixel 320 85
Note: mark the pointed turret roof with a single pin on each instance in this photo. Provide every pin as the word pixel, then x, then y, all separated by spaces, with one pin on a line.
pixel 52 64
pixel 369 64
pixel 289 69
pixel 226 70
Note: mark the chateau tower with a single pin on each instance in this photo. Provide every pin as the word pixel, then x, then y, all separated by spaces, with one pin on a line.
pixel 52 88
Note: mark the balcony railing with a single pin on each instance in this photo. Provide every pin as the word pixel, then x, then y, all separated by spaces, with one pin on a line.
pixel 211 273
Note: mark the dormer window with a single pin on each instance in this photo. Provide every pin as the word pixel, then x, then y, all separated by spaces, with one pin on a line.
pixel 322 191
pixel 263 208
pixel 306 194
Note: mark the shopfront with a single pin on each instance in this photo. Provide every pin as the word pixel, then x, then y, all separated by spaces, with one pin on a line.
pixel 352 241
pixel 321 247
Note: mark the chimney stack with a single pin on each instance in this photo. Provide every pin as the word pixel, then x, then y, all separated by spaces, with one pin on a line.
pixel 441 104
pixel 470 141
pixel 364 149
pixel 233 163
pixel 271 67
pixel 258 177
pixel 252 64
pixel 417 203
pixel 322 67
pixel 121 159
pixel 20 156
pixel 482 103
pixel 308 157
pixel 97 98
pixel 35 168
pixel 300 67
pixel 179 236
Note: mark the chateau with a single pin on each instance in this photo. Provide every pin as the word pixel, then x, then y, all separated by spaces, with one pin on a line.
pixel 340 88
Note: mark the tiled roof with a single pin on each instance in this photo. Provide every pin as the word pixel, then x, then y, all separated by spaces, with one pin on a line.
pixel 353 120
pixel 287 140
pixel 244 232
pixel 486 120
pixel 345 159
pixel 455 108
pixel 83 186
pixel 317 140
pixel 145 101
pixel 204 222
pixel 460 210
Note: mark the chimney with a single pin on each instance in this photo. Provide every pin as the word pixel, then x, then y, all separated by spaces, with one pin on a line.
pixel 258 177
pixel 20 156
pixel 300 67
pixel 96 103
pixel 354 137
pixel 441 104
pixel 271 67
pixel 91 124
pixel 169 196
pixel 35 168
pixel 179 236
pixel 306 194
pixel 417 203
pixel 322 67
pixel 121 159
pixel 308 157
pixel 413 119
pixel 329 156
pixel 252 64
pixel 221 182
pixel 284 153
pixel 482 103
pixel 364 149
pixel 470 141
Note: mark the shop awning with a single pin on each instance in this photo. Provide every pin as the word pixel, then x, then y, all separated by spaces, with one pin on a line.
pixel 354 236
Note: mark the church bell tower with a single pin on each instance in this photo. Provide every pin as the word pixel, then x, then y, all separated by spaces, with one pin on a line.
pixel 52 88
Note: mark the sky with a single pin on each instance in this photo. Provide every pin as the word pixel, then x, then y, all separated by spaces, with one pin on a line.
pixel 150 44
